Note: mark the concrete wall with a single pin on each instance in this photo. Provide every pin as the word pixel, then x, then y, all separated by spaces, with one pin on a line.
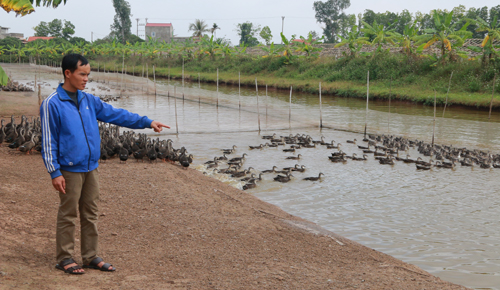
pixel 160 33
pixel 329 49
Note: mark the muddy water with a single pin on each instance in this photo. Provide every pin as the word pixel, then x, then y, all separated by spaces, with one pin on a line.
pixel 444 221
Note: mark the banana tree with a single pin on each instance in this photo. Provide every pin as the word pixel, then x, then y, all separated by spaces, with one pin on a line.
pixel 380 34
pixel 446 35
pixel 493 29
pixel 309 45
pixel 270 51
pixel 354 41
pixel 406 40
pixel 287 48
pixel 209 47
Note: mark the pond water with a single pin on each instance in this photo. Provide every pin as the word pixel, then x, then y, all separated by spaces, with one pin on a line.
pixel 444 221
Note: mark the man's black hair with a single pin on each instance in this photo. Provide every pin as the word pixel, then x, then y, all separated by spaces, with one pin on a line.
pixel 70 61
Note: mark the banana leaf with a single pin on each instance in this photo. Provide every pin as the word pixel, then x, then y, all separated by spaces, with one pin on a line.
pixel 20 7
pixel 4 79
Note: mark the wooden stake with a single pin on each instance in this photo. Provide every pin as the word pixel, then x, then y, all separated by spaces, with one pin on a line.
pixel 446 102
pixel 492 94
pixel 320 111
pixel 290 109
pixel 239 91
pixel 434 126
pixel 267 100
pixel 175 106
pixel 367 97
pixel 154 79
pixel 217 87
pixel 257 92
pixel 390 94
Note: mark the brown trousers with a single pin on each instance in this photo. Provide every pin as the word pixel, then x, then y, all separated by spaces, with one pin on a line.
pixel 82 194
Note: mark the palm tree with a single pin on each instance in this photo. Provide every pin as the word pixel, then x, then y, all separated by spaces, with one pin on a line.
pixel 198 27
pixel 214 28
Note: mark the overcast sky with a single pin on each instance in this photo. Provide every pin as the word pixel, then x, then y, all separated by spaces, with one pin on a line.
pixel 97 15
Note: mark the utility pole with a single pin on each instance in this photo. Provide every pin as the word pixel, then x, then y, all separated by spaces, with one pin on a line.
pixel 137 27
pixel 282 26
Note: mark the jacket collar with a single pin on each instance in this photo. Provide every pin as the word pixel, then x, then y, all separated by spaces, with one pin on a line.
pixel 63 96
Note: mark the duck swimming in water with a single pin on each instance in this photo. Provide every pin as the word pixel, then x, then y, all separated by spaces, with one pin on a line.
pixel 314 178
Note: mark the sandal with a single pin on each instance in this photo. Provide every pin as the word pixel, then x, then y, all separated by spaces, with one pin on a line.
pixel 94 265
pixel 70 270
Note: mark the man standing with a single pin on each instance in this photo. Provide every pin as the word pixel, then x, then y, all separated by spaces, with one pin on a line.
pixel 70 151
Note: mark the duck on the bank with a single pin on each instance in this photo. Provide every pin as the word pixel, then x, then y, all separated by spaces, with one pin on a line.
pixel 185 160
pixel 28 146
pixel 314 178
pixel 123 154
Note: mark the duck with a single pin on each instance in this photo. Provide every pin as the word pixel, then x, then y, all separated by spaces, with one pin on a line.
pixel 294 157
pixel 28 146
pixel 388 161
pixel 314 178
pixel 185 160
pixel 351 141
pixel 151 153
pixel 123 154
pixel 251 184
pixel 422 167
pixel 213 165
pixel 448 165
pixel 338 159
pixel 270 170
pixel 236 159
pixel 230 150
pixel 281 178
pixel 355 158
pixel 138 155
pixel 289 150
pixel 256 147
pixel 240 173
pixel 302 168
pixel 213 161
pixel 331 146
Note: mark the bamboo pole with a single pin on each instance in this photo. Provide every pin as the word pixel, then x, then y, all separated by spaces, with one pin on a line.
pixel 199 83
pixel 175 106
pixel 492 94
pixel 390 94
pixel 367 97
pixel 257 93
pixel 239 91
pixel 320 111
pixel 434 125
pixel 183 81
pixel 267 100
pixel 154 79
pixel 446 102
pixel 290 109
pixel 217 88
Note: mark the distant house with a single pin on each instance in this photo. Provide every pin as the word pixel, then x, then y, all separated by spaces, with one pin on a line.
pixel 33 38
pixel 4 32
pixel 162 32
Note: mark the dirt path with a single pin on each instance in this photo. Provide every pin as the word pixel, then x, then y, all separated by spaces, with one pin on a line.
pixel 164 227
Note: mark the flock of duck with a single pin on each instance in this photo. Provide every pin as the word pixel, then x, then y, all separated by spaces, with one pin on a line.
pixel 26 137
pixel 385 149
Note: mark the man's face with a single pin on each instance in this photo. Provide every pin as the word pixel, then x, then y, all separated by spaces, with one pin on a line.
pixel 79 78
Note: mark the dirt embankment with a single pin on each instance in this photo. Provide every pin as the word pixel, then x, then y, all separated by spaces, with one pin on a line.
pixel 164 227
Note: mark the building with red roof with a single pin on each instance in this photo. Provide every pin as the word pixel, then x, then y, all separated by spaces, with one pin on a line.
pixel 33 38
pixel 160 31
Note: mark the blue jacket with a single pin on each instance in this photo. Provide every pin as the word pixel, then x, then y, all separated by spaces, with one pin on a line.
pixel 70 135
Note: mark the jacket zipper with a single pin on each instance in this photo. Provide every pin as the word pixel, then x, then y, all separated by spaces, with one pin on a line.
pixel 86 138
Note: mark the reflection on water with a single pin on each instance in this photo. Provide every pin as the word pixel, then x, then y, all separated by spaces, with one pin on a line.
pixel 444 221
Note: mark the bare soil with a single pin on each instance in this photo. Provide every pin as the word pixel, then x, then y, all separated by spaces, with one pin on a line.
pixel 164 227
